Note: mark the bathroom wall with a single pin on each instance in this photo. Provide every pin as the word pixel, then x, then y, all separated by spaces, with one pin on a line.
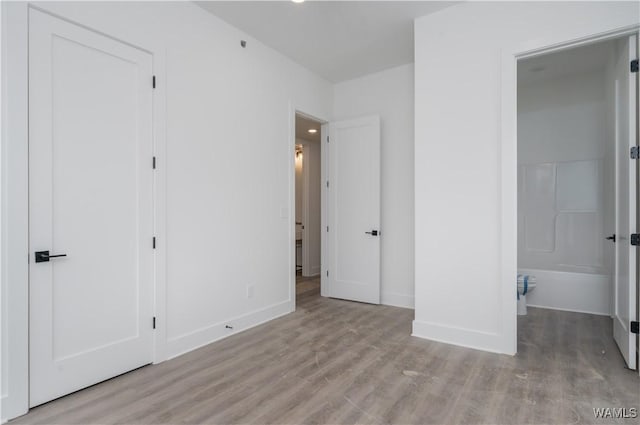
pixel 563 168
pixel 561 149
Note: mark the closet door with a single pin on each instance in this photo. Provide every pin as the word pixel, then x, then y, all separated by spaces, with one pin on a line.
pixel 90 196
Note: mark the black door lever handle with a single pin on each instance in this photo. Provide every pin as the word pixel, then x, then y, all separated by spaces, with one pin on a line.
pixel 43 256
pixel 372 233
pixel 611 238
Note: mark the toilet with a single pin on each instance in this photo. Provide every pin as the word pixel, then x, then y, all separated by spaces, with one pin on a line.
pixel 525 284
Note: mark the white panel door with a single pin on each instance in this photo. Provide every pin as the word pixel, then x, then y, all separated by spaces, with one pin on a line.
pixel 625 261
pixel 90 196
pixel 352 269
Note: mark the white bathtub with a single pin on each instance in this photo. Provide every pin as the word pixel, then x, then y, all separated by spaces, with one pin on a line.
pixel 581 292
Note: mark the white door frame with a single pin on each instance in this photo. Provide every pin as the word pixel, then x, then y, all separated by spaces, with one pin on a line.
pixel 291 147
pixel 509 162
pixel 15 183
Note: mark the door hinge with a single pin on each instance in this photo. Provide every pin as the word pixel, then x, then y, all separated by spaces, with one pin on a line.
pixel 327 273
pixel 634 327
pixel 327 229
pixel 327 183
pixel 154 322
pixel 635 239
pixel 635 152
pixel 154 82
pixel 154 242
pixel 634 65
pixel 327 139
pixel 154 162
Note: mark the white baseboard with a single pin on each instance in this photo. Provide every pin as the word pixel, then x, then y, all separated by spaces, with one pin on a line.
pixel 201 337
pixel 469 338
pixel 398 300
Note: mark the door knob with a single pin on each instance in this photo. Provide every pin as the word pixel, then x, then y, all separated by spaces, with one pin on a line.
pixel 372 233
pixel 611 238
pixel 43 256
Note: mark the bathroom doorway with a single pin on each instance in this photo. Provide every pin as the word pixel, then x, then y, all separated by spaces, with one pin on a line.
pixel 576 197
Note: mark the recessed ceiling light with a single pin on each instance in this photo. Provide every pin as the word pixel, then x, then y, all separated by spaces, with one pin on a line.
pixel 312 130
pixel 297 1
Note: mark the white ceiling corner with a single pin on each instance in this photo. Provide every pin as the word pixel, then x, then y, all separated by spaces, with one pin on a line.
pixel 338 40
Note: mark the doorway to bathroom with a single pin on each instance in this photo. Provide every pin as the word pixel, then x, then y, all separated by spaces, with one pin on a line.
pixel 577 200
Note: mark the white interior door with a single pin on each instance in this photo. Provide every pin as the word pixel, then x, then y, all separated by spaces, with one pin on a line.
pixel 90 198
pixel 626 212
pixel 352 249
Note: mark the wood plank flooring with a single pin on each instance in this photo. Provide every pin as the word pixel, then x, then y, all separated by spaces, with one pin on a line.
pixel 339 362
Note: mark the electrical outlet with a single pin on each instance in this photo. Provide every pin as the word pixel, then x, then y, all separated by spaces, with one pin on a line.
pixel 249 291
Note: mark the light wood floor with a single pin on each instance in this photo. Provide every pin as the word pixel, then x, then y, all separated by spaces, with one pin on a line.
pixel 338 362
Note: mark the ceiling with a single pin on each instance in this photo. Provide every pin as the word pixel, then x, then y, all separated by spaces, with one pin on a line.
pixel 589 58
pixel 338 40
pixel 302 129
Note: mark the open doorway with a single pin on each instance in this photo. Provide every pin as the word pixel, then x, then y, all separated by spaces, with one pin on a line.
pixel 308 203
pixel 577 199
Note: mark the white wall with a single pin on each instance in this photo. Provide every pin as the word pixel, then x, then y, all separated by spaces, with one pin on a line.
pixel 462 296
pixel 389 94
pixel 224 174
